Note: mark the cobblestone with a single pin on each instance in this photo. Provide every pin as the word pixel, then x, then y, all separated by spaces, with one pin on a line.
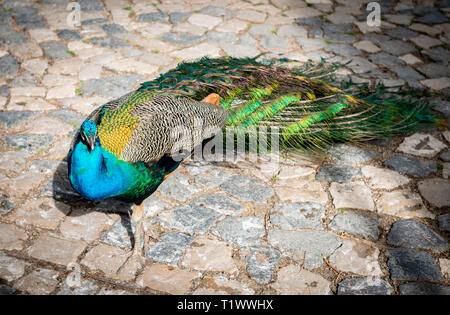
pixel 293 280
pixel 411 264
pixel 209 255
pixel 261 260
pixel 385 59
pixel 22 184
pixel 352 195
pixel 171 248
pixel 110 86
pixel 161 278
pixel 12 237
pixel 436 191
pixel 421 145
pixel 309 245
pixel 403 203
pixel 119 234
pixel 364 286
pixel 5 205
pixel 311 44
pixel 15 118
pixel 358 258
pixel 204 20
pixel 105 258
pixel 442 107
pixel 408 74
pixel 240 230
pixel 220 203
pixel 57 250
pixel 444 222
pixel 219 285
pixel 86 287
pixel 338 173
pixel 379 178
pixel 189 219
pixel 367 46
pixel 411 166
pixel 297 215
pixel 302 191
pixel 247 188
pixel 178 188
pixel 402 33
pixel 421 288
pixel 356 224
pixel 38 282
pixel 69 35
pixel 11 268
pixel 438 54
pixel 85 226
pixel 412 234
pixel 346 154
pixel 55 50
pixel 178 17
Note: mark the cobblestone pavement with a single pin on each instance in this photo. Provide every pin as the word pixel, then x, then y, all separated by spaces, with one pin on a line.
pixel 369 219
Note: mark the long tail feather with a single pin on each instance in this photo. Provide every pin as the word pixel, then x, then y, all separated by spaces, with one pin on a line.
pixel 298 104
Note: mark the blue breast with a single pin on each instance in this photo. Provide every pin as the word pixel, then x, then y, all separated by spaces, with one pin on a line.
pixel 98 174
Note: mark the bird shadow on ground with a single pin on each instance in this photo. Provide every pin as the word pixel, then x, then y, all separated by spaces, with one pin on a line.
pixel 66 197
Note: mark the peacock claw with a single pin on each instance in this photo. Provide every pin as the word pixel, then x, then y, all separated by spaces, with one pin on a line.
pixel 133 257
pixel 138 256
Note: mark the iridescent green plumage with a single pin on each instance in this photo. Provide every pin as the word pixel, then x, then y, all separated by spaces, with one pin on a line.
pixel 299 103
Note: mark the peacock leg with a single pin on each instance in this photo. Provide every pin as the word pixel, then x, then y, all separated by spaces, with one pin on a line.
pixel 138 251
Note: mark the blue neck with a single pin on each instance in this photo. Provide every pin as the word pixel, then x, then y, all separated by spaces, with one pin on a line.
pixel 98 174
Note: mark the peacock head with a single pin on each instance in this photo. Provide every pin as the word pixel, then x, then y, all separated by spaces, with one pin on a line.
pixel 89 134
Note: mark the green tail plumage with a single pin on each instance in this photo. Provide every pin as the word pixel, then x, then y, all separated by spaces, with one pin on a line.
pixel 299 104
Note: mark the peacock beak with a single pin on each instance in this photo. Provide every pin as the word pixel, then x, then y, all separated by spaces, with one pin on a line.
pixel 91 143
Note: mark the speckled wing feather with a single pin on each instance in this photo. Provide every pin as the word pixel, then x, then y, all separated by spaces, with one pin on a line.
pixel 168 125
pixel 147 126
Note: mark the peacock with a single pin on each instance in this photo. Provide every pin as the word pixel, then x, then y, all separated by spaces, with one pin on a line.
pixel 127 147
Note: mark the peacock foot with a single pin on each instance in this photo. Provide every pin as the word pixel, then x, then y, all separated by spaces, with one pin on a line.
pixel 137 253
pixel 134 261
pixel 137 256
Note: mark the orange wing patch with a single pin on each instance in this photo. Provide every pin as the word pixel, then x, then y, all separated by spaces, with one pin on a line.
pixel 212 98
